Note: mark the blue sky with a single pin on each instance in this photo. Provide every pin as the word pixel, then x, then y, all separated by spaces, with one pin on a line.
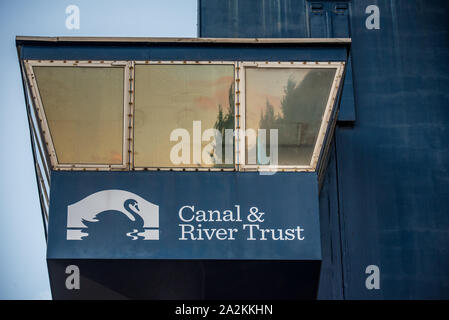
pixel 23 270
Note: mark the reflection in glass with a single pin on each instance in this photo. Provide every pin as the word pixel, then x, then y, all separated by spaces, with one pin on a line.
pixel 84 111
pixel 170 97
pixel 292 101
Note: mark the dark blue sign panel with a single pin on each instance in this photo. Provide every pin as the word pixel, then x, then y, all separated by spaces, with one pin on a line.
pixel 184 215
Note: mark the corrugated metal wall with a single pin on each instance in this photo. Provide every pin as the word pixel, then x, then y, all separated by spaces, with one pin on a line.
pixel 386 193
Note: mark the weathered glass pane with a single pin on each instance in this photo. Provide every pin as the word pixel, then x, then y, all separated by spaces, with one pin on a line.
pixel 291 100
pixel 170 97
pixel 84 111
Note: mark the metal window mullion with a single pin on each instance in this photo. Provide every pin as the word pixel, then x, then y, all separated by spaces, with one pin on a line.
pixel 131 110
pixel 237 116
pixel 128 115
pixel 242 118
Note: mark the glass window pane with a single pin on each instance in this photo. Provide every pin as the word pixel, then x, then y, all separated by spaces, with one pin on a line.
pixel 291 100
pixel 84 111
pixel 170 97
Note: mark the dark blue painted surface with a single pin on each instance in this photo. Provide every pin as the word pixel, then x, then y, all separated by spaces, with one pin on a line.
pixel 187 52
pixel 385 196
pixel 251 19
pixel 273 195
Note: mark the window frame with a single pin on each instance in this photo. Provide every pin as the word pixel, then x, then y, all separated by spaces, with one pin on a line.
pixel 129 111
pixel 328 111
pixel 45 129
pixel 191 62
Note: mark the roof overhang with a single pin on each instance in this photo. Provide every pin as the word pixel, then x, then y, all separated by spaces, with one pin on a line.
pixel 151 40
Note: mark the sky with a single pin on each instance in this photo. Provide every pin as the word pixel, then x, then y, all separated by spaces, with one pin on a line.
pixel 23 270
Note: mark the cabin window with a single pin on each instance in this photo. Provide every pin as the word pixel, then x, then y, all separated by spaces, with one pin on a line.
pixel 290 101
pixel 81 111
pixel 181 114
pixel 184 115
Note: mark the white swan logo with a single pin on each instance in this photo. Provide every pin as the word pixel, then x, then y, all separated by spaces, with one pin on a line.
pixel 127 210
